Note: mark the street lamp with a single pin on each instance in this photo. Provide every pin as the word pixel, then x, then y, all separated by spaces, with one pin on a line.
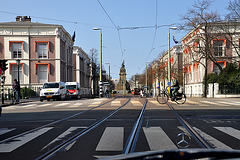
pixel 108 71
pixel 100 83
pixel 169 56
pixel 146 77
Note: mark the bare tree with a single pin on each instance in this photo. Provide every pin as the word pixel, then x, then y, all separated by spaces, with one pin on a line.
pixel 234 8
pixel 94 55
pixel 198 17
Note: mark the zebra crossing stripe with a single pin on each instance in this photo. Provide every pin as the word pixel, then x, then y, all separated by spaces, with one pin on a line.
pixel 61 104
pixel 115 103
pixel 158 139
pixel 64 134
pixel 17 142
pixel 217 144
pixel 94 104
pixel 111 140
pixel 5 130
pixel 230 131
pixel 136 103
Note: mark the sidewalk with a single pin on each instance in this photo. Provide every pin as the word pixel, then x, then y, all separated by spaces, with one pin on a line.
pixel 9 102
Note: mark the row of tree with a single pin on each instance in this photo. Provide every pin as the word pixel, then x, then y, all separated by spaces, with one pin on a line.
pixel 212 26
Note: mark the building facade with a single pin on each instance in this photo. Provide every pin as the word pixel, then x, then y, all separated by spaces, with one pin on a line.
pixel 44 50
pixel 211 50
pixel 82 69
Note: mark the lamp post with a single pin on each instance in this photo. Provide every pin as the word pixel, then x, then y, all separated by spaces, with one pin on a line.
pixel 146 77
pixel 108 70
pixel 169 55
pixel 100 83
pixel 18 63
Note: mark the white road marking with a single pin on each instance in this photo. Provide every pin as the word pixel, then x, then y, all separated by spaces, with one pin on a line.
pixel 116 103
pixel 216 143
pixel 61 104
pixel 158 139
pixel 111 140
pixel 184 130
pixel 227 103
pixel 230 131
pixel 154 102
pixel 5 130
pixel 192 102
pixel 64 134
pixel 94 104
pixel 17 142
pixel 136 103
pixel 44 105
pixel 78 104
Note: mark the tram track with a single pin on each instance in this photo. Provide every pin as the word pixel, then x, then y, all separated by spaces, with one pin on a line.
pixel 199 139
pixel 53 123
pixel 76 136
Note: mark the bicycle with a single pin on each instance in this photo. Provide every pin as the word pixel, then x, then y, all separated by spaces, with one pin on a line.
pixel 165 94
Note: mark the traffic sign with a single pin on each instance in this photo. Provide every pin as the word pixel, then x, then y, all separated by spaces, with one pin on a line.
pixel 0 70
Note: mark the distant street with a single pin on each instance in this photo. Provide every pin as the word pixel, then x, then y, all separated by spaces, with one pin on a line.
pixel 32 129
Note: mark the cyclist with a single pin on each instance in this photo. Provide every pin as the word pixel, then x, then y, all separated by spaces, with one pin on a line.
pixel 174 88
pixel 16 89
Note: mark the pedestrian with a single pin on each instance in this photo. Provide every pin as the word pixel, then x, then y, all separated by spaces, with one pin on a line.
pixel 106 92
pixel 16 89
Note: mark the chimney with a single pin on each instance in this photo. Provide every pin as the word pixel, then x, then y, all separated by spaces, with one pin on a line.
pixel 23 19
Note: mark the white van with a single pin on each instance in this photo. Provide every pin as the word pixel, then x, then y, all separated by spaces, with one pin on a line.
pixel 53 90
pixel 73 89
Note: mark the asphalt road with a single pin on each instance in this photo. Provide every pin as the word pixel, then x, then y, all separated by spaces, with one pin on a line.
pixel 54 122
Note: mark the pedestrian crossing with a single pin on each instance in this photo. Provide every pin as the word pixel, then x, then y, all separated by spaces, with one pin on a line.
pixel 118 103
pixel 112 138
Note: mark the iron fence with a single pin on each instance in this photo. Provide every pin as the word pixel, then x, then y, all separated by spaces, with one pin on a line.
pixel 229 89
pixel 26 92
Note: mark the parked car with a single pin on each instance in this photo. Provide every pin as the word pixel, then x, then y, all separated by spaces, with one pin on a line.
pixel 73 89
pixel 53 90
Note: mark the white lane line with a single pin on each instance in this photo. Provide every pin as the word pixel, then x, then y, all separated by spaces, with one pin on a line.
pixel 216 143
pixel 230 131
pixel 158 139
pixel 5 130
pixel 111 140
pixel 17 142
pixel 61 104
pixel 61 137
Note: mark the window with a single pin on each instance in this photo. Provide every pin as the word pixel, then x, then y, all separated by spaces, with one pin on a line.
pixel 17 50
pixel 218 47
pixel 42 50
pixel 15 73
pixel 42 73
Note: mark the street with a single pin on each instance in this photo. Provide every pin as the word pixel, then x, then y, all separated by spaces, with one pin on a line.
pixel 103 126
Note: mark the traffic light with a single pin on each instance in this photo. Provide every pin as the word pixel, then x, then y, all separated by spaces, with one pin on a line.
pixel 3 65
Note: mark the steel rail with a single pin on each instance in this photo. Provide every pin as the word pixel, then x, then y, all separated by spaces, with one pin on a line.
pixel 52 123
pixel 75 137
pixel 132 139
pixel 200 140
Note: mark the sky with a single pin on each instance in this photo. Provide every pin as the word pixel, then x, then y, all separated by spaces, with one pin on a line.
pixel 134 46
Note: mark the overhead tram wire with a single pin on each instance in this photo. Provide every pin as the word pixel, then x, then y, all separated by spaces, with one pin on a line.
pixel 59 20
pixel 117 28
pixel 154 37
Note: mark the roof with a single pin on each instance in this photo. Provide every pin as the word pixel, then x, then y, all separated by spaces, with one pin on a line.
pixel 27 24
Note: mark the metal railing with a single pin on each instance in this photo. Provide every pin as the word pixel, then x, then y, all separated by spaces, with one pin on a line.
pixel 229 89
